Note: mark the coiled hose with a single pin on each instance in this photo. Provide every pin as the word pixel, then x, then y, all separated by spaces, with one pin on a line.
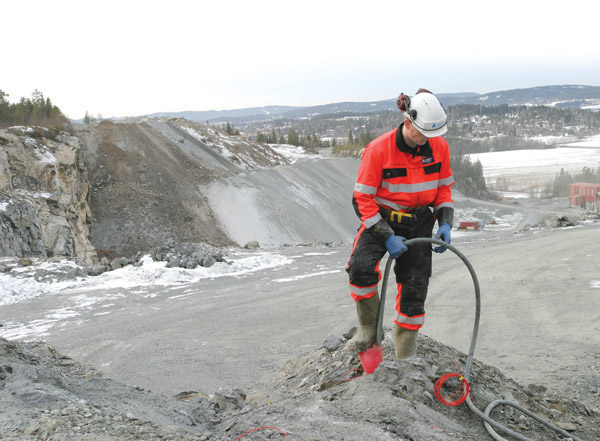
pixel 487 420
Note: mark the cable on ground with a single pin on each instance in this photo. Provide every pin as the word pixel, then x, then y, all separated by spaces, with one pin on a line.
pixel 437 388
pixel 360 369
pixel 262 428
pixel 487 420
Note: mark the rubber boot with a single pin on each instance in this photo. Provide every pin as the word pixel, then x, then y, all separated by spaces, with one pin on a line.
pixel 405 342
pixel 368 311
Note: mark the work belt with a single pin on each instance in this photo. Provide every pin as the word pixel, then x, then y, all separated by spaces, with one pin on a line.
pixel 408 218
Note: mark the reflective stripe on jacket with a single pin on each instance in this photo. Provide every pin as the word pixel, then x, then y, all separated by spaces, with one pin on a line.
pixel 401 181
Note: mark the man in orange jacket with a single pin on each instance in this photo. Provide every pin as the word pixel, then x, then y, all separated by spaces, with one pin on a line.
pixel 403 185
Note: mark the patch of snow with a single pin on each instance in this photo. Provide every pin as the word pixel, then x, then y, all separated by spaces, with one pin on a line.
pixel 305 276
pixel 506 222
pixel 34 194
pixel 22 287
pixel 593 141
pixel 555 103
pixel 291 152
pixel 46 157
pixel 22 129
pixel 550 140
pixel 595 284
pixel 591 107
pixel 14 290
pixel 48 266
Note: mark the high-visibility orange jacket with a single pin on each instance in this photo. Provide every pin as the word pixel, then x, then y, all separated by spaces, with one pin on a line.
pixel 394 176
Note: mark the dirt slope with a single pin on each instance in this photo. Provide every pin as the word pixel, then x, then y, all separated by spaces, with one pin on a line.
pixel 146 180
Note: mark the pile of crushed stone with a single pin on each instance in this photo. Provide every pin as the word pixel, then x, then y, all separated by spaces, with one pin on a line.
pixel 47 396
pixel 321 395
pixel 324 395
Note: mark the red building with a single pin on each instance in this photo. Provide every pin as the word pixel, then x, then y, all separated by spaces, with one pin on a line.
pixel 471 225
pixel 585 195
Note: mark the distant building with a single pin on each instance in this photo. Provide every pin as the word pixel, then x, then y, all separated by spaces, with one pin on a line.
pixel 471 225
pixel 585 195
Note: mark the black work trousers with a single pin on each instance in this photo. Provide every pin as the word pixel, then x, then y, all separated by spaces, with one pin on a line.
pixel 412 268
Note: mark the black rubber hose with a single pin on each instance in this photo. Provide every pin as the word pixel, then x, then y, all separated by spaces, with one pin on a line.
pixel 386 272
pixel 488 421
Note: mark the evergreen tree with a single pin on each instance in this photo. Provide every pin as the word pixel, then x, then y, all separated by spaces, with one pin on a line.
pixel 4 106
pixel 365 138
pixel 35 111
pixel 261 137
pixel 293 137
pixel 468 177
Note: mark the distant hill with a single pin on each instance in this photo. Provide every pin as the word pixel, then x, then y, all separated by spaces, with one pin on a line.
pixel 201 116
pixel 562 96
pixel 565 96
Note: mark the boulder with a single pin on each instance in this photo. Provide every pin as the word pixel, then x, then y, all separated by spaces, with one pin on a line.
pixel 226 399
pixel 209 261
pixel 253 245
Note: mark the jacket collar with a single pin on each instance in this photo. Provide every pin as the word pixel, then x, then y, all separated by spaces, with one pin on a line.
pixel 422 150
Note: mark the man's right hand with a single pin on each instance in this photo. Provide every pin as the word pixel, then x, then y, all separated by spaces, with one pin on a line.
pixel 395 246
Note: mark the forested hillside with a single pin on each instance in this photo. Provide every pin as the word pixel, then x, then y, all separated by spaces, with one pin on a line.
pixel 471 128
pixel 35 111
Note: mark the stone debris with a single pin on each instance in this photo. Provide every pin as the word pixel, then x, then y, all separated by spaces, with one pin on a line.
pixel 46 396
pixel 320 395
pixel 189 256
pixel 324 395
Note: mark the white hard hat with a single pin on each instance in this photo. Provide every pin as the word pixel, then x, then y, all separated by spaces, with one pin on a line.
pixel 427 115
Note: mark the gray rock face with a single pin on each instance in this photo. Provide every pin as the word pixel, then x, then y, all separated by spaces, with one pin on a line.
pixel 43 192
pixel 21 230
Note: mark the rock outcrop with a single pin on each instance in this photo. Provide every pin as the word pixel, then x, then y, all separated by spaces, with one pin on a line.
pixel 43 195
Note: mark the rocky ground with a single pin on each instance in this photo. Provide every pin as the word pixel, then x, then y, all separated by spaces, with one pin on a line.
pixel 320 395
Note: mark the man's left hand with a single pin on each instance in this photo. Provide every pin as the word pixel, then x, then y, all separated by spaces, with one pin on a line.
pixel 443 233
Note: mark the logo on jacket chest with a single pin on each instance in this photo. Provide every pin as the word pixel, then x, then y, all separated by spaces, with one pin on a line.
pixel 427 160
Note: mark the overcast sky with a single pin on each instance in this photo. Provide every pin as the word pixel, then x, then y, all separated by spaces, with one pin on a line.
pixel 120 58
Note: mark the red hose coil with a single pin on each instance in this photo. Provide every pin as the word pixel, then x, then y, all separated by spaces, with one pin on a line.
pixel 437 390
pixel 261 428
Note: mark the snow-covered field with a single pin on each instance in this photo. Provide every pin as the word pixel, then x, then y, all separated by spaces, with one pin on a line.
pixel 518 172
